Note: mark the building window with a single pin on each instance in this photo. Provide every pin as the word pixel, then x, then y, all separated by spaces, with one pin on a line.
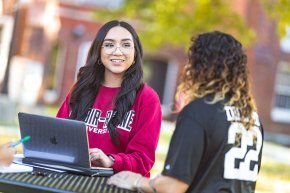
pixel 82 56
pixel 52 74
pixel 55 70
pixel 154 75
pixel 281 109
pixel 161 75
pixel 36 40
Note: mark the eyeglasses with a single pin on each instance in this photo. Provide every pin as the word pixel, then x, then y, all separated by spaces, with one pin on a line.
pixel 125 48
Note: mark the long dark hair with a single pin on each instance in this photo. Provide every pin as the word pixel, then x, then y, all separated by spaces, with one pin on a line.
pixel 91 75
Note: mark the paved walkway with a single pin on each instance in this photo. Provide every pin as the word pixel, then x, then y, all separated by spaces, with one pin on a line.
pixel 276 152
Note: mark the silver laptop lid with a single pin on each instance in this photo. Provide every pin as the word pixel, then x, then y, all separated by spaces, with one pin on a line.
pixel 54 139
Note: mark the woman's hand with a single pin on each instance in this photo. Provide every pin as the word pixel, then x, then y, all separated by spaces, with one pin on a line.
pixel 133 181
pixel 6 154
pixel 100 159
pixel 125 179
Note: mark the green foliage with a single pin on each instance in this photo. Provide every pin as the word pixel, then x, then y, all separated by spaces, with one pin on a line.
pixel 174 22
pixel 279 10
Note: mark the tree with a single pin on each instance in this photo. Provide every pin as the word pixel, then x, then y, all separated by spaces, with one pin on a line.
pixel 164 22
pixel 279 10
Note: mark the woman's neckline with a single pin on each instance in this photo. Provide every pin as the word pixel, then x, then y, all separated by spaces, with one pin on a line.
pixel 110 87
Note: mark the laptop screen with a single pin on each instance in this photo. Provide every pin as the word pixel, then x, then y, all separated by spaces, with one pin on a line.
pixel 55 139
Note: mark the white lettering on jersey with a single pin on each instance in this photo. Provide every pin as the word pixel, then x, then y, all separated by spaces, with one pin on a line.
pixel 125 125
pixel 98 124
pixel 94 129
pixel 247 157
pixel 233 114
pixel 108 117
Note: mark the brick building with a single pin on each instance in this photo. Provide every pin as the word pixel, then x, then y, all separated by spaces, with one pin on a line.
pixel 269 61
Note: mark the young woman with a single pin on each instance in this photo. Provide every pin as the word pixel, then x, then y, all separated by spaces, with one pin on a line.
pixel 217 144
pixel 123 114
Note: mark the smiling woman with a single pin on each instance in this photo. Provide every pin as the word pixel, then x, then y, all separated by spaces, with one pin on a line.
pixel 121 111
pixel 117 55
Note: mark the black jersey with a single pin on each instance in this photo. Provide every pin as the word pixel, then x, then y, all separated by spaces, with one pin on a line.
pixel 212 151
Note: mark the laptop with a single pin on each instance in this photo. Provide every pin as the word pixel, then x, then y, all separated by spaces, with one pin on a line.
pixel 57 143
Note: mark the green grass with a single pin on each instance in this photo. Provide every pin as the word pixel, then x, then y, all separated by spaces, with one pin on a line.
pixel 51 110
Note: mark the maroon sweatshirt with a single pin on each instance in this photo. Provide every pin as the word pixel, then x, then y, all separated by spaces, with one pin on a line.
pixel 138 133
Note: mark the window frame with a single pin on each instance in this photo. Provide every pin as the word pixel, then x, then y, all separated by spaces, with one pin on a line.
pixel 282 88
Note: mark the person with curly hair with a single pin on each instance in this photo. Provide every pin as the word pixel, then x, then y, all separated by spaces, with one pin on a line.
pixel 122 113
pixel 217 143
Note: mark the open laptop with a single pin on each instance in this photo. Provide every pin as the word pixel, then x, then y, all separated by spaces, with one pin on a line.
pixel 57 143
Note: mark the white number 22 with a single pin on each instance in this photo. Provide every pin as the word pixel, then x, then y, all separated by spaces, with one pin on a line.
pixel 243 172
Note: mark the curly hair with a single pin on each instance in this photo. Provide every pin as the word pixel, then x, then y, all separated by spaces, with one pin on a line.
pixel 217 66
pixel 91 75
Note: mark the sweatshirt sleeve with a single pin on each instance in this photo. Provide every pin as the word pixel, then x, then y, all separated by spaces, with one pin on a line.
pixel 64 110
pixel 139 156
